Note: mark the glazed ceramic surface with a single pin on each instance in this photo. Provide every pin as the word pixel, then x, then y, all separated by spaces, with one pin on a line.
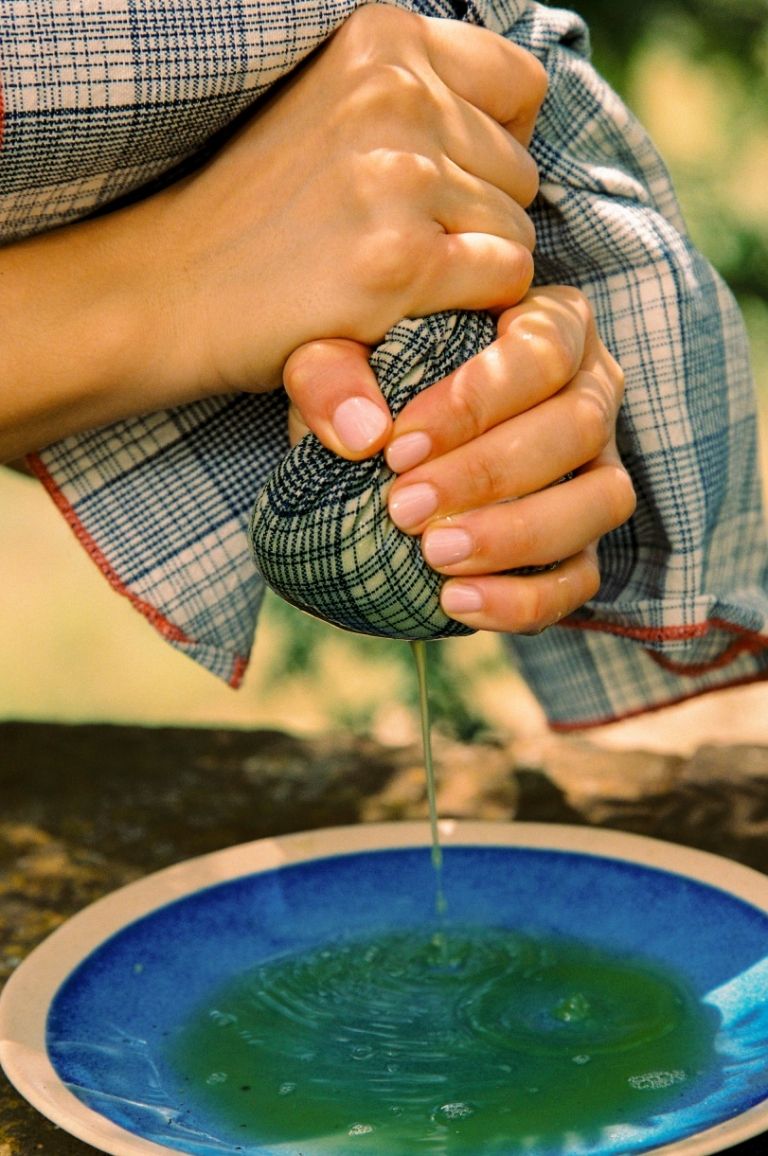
pixel 83 1019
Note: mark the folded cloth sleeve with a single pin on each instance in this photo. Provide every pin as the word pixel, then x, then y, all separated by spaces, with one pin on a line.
pixel 101 100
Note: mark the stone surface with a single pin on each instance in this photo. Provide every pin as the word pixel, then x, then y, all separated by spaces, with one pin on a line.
pixel 87 809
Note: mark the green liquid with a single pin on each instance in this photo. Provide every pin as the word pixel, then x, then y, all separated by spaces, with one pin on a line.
pixel 419 651
pixel 477 1040
pixel 450 1040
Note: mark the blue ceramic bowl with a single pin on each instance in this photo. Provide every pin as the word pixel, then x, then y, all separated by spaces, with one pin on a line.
pixel 83 1019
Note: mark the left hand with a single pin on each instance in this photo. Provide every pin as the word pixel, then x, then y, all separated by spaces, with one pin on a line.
pixel 478 454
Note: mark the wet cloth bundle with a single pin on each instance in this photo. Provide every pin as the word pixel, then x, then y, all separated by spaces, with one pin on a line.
pixel 100 101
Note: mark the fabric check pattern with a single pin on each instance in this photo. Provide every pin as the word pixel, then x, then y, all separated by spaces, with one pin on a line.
pixel 101 101
pixel 320 532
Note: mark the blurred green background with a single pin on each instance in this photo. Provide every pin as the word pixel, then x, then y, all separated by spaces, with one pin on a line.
pixel 695 72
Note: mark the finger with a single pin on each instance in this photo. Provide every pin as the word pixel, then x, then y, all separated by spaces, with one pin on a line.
pixel 472 271
pixel 534 531
pixel 477 144
pixel 466 204
pixel 523 604
pixel 514 459
pixel 297 427
pixel 489 72
pixel 540 346
pixel 333 387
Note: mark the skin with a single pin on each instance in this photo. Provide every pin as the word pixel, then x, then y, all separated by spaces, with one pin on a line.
pixel 485 452
pixel 157 304
pixel 284 237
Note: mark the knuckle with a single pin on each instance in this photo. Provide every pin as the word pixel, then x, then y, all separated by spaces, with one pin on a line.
pixel 615 374
pixel 538 81
pixel 486 479
pixel 529 178
pixel 465 409
pixel 517 274
pixel 623 502
pixel 537 611
pixel 524 535
pixel 591 582
pixel 388 93
pixel 371 26
pixel 551 348
pixel 388 260
pixel 408 174
pixel 596 416
pixel 524 224
pixel 303 365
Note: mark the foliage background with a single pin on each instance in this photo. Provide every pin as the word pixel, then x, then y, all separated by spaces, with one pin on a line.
pixel 695 72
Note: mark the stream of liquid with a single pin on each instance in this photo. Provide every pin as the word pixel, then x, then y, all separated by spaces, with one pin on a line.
pixel 449 1039
pixel 419 651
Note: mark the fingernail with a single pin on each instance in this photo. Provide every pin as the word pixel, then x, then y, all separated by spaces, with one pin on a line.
pixel 358 423
pixel 444 547
pixel 410 506
pixel 407 451
pixel 457 598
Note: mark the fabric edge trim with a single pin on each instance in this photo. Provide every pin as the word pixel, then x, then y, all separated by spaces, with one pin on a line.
pixel 687 696
pixel 164 627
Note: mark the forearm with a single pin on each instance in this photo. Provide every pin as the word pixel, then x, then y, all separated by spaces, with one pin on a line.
pixel 372 188
pixel 77 332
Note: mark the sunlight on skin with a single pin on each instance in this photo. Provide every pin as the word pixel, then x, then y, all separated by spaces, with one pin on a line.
pixel 72 650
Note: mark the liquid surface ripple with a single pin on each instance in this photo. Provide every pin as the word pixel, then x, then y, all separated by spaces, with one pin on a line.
pixel 446 1040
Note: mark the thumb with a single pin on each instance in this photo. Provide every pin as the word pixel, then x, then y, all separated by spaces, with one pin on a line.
pixel 335 394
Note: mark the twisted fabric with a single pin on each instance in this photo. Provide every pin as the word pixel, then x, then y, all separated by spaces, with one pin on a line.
pixel 101 100
pixel 320 532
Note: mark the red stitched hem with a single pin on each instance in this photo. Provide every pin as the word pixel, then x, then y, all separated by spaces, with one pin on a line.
pixel 162 625
pixel 641 633
pixel 746 680
pixel 748 641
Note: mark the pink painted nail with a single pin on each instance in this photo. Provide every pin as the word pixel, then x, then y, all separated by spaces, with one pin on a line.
pixel 407 451
pixel 358 423
pixel 444 547
pixel 410 506
pixel 458 598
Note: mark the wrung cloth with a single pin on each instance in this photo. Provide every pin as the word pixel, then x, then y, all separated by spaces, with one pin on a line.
pixel 101 100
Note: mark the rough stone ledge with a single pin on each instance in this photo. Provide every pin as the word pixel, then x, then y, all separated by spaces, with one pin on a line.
pixel 86 809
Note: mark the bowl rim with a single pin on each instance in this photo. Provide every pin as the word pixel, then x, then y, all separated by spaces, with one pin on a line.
pixel 27 995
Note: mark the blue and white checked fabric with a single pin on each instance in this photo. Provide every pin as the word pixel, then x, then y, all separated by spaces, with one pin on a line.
pixel 101 100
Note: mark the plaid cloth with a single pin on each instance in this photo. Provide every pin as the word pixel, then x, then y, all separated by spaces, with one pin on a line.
pixel 320 531
pixel 321 534
pixel 100 100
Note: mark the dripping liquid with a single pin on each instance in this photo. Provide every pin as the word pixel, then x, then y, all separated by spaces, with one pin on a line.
pixel 448 1039
pixel 419 651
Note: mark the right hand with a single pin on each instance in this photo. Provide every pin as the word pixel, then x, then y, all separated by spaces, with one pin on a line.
pixel 387 178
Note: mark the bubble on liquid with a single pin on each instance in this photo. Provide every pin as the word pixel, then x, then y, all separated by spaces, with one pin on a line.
pixel 286 1088
pixel 653 1081
pixel 217 1078
pixel 456 1110
pixel 360 1129
pixel 361 1052
pixel 572 1009
pixel 581 1059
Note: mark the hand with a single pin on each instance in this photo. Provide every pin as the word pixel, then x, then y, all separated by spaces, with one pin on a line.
pixel 478 451
pixel 386 178
pixel 541 402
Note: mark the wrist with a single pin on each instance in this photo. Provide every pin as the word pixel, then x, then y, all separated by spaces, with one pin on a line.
pixel 81 332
